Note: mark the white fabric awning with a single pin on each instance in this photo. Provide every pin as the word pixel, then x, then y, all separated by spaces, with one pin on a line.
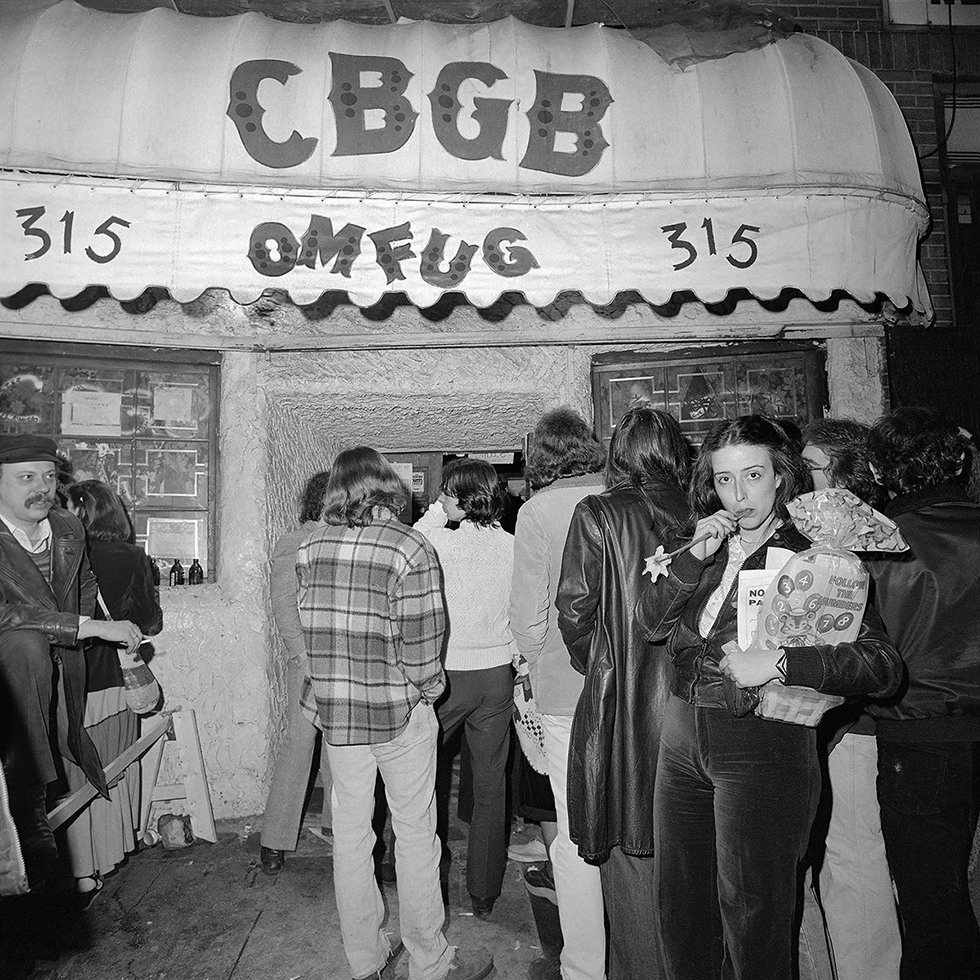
pixel 159 149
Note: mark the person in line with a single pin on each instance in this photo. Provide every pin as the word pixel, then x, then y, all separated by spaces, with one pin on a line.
pixel 103 833
pixel 47 598
pixel 735 797
pixel 836 454
pixel 370 601
pixel 855 884
pixel 929 734
pixel 477 563
pixel 616 728
pixel 565 459
pixel 291 776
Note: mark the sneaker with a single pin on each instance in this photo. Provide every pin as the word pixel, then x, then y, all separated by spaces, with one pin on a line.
pixel 533 850
pixel 470 964
pixel 539 880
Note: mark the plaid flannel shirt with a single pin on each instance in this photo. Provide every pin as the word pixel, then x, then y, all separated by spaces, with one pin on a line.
pixel 370 601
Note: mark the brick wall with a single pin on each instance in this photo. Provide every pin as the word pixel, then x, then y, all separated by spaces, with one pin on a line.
pixel 908 61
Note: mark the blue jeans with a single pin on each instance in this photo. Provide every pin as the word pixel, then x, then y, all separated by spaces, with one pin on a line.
pixel 408 767
pixel 733 805
pixel 924 789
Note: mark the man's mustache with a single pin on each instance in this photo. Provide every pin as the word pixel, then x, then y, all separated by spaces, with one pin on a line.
pixel 39 498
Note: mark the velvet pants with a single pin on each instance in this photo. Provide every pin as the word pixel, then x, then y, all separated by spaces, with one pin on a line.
pixel 734 802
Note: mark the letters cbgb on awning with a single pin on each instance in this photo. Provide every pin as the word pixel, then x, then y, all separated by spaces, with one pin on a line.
pixel 245 153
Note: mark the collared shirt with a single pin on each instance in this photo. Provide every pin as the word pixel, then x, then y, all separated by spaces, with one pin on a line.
pixel 370 601
pixel 34 548
pixel 20 536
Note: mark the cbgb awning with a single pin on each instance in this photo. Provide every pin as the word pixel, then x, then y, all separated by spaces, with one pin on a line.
pixel 159 149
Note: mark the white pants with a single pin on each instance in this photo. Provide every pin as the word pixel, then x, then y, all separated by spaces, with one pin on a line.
pixel 577 883
pixel 855 884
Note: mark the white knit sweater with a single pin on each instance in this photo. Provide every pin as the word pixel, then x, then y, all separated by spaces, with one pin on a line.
pixel 477 564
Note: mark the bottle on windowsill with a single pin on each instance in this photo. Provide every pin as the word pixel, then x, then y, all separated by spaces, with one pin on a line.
pixel 195 574
pixel 176 573
pixel 154 571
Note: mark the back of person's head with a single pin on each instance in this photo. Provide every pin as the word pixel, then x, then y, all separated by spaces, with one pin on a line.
pixel 361 479
pixel 647 446
pixel 475 485
pixel 748 430
pixel 562 445
pixel 917 448
pixel 101 510
pixel 845 444
pixel 311 503
pixel 792 430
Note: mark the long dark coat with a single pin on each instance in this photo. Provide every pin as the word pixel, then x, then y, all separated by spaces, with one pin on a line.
pixel 28 602
pixel 616 728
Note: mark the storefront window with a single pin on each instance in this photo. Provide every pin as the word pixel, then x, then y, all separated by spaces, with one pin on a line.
pixel 700 388
pixel 145 424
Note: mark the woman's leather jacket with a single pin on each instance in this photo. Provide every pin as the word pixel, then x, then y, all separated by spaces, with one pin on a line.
pixel 671 609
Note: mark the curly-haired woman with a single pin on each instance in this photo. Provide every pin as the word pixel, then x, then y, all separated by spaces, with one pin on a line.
pixel 735 797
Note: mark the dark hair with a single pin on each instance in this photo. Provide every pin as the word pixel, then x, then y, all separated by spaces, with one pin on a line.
pixel 475 485
pixel 360 480
pixel 101 511
pixel 917 448
pixel 792 431
pixel 845 443
pixel 311 503
pixel 562 445
pixel 647 445
pixel 748 430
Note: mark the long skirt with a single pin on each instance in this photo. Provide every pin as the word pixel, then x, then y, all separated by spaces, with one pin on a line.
pixel 103 833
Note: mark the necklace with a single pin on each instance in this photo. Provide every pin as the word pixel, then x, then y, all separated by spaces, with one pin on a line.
pixel 766 530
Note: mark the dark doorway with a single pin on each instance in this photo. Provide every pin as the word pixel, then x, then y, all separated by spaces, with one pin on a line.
pixel 938 367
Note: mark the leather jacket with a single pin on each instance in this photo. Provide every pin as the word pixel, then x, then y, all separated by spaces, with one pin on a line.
pixel 27 602
pixel 616 727
pixel 929 598
pixel 671 609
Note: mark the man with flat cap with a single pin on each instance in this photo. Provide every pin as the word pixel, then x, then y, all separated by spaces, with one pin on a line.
pixel 46 587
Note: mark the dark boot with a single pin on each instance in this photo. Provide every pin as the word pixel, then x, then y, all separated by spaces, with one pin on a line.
pixel 37 844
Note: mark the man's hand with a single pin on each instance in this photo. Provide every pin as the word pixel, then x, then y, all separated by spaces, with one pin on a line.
pixel 120 631
pixel 749 668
